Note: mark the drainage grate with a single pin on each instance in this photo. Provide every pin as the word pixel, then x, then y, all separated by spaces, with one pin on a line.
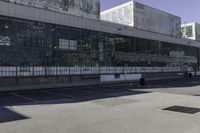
pixel 182 109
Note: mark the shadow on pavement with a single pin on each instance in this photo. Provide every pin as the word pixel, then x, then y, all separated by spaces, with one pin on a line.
pixel 7 115
pixel 174 83
pixel 65 95
pixel 82 94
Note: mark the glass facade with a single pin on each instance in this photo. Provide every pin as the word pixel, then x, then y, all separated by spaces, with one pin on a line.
pixel 44 47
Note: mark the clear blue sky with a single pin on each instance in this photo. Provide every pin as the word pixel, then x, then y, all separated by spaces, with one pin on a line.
pixel 188 10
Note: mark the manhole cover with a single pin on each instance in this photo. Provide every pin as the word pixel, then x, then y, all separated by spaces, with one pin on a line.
pixel 182 109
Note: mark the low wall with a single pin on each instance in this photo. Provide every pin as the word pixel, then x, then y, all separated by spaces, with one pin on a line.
pixel 120 77
pixel 11 84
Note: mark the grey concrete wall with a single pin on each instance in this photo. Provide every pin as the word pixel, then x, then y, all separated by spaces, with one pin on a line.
pixel 197 32
pixel 144 17
pixel 83 8
pixel 8 84
pixel 151 19
pixel 122 14
pixel 12 84
pixel 191 31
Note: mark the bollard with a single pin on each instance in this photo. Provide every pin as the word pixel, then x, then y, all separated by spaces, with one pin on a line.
pixel 142 81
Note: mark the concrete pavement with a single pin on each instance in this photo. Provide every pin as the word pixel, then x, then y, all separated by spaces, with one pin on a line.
pixel 111 113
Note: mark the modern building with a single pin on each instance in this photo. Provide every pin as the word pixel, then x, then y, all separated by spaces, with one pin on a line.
pixel 40 46
pixel 144 17
pixel 191 31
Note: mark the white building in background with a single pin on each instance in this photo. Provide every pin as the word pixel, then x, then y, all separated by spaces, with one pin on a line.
pixel 144 17
pixel 191 31
pixel 82 8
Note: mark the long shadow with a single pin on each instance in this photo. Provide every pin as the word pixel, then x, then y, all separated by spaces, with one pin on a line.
pixel 174 83
pixel 65 95
pixel 82 94
pixel 7 115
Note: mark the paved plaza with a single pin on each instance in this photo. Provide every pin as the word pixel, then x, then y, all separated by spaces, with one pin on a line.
pixel 104 109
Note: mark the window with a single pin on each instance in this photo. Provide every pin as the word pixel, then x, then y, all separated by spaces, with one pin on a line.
pixel 189 31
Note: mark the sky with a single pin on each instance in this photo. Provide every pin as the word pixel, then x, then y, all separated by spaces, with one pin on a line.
pixel 188 10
